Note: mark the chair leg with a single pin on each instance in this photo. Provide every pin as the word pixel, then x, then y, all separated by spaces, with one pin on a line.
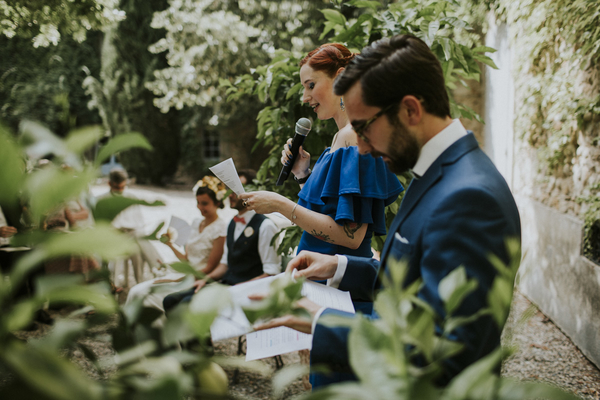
pixel 126 273
pixel 240 351
pixel 278 362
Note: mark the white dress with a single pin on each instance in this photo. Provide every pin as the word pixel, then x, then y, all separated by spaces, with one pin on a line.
pixel 198 249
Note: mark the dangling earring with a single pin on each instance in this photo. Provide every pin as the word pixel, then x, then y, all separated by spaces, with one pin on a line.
pixel 342 106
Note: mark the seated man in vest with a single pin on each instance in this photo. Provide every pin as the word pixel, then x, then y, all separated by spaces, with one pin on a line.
pixel 248 253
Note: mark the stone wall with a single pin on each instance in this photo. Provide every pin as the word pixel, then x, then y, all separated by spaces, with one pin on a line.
pixel 553 173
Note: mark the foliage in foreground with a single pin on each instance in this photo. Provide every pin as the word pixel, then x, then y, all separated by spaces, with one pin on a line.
pixel 147 364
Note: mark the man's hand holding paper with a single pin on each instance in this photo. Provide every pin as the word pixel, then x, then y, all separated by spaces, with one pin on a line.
pixel 300 324
pixel 314 266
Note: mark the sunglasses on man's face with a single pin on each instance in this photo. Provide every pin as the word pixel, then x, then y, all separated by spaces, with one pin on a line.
pixel 361 127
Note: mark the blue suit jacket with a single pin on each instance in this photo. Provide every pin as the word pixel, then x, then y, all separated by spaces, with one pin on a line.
pixel 456 214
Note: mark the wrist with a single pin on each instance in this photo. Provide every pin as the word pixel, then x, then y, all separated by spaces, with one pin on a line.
pixel 302 178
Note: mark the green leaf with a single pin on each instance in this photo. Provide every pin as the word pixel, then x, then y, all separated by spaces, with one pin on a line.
pixel 483 49
pixel 487 61
pixel 286 376
pixel 122 143
pixel 451 282
pixel 295 89
pixel 462 386
pixel 63 333
pixel 225 82
pixel 131 355
pixel 444 348
pixel 39 141
pixel 214 297
pixel 454 288
pixel 21 315
pixel 50 374
pixel 421 331
pixel 82 139
pixel 97 295
pixel 334 16
pixel 433 28
pixel 369 353
pixel 186 268
pixel 369 4
pixel 499 299
pixel 109 207
pixel 458 54
pixel 153 235
pixel 447 47
pixel 102 240
pixel 50 187
pixel 11 172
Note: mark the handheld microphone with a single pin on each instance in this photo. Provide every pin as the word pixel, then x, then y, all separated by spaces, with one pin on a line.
pixel 302 128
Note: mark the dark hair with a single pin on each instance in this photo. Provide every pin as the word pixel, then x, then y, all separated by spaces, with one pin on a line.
pixel 205 190
pixel 247 173
pixel 117 175
pixel 392 68
pixel 328 58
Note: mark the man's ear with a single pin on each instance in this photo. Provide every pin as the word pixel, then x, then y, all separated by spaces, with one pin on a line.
pixel 413 108
pixel 338 72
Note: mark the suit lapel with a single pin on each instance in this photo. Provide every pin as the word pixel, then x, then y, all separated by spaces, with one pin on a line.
pixel 418 187
pixel 415 191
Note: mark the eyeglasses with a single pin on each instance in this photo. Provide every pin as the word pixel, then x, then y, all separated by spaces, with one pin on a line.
pixel 361 127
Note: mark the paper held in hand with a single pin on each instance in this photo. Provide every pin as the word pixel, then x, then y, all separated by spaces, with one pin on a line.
pixel 182 231
pixel 232 322
pixel 227 173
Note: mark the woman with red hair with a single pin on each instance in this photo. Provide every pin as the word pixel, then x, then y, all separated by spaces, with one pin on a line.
pixel 343 198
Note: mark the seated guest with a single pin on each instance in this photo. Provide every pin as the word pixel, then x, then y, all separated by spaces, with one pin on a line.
pixel 130 221
pixel 203 249
pixel 248 254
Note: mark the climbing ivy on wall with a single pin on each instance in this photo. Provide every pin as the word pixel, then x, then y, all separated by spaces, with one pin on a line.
pixel 556 49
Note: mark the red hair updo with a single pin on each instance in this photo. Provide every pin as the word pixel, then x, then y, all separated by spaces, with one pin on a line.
pixel 328 58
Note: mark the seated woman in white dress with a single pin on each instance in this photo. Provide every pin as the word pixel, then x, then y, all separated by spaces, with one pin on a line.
pixel 203 250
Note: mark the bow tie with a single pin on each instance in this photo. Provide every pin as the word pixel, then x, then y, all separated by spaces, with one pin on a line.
pixel 237 219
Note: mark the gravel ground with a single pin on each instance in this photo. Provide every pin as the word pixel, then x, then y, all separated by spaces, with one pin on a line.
pixel 546 354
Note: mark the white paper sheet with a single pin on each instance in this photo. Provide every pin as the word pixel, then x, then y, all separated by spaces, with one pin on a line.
pixel 227 173
pixel 184 230
pixel 271 342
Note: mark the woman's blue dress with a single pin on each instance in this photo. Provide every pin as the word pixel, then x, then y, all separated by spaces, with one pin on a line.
pixel 349 187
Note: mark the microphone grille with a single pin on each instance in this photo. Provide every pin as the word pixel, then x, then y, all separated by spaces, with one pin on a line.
pixel 303 126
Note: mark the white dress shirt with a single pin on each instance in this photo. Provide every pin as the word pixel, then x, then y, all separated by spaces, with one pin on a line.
pixel 271 261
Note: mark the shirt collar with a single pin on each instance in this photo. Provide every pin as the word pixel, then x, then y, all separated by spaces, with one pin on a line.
pixel 247 215
pixel 437 145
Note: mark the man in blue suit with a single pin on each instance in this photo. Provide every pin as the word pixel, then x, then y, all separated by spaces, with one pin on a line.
pixel 457 211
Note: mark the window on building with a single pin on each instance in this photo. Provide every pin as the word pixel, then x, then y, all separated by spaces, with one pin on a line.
pixel 211 146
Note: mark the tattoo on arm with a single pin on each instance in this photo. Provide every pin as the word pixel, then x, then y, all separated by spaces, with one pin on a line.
pixel 351 227
pixel 347 144
pixel 322 236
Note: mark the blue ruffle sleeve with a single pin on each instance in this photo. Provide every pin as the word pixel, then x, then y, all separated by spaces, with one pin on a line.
pixel 349 186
